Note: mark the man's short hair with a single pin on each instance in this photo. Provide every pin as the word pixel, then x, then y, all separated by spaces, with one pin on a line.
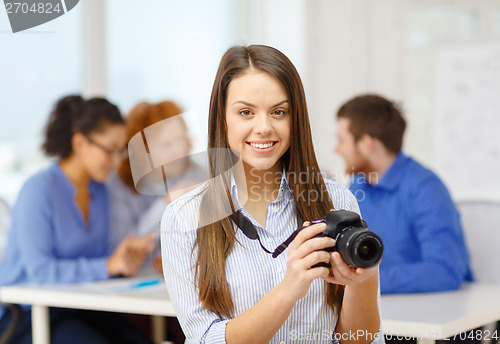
pixel 376 116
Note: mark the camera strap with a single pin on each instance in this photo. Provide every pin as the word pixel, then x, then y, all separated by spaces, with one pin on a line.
pixel 285 243
pixel 247 227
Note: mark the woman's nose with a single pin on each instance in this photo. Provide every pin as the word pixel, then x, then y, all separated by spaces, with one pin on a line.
pixel 262 124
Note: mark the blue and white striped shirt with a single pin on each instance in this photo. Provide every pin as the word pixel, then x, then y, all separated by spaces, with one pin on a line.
pixel 251 272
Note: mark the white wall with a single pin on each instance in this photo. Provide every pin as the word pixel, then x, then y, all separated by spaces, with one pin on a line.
pixel 393 48
pixel 341 48
pixel 353 47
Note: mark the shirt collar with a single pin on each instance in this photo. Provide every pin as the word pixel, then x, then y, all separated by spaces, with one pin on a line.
pixel 283 193
pixel 392 178
pixel 66 183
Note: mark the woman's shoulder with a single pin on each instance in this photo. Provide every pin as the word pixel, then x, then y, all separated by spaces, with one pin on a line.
pixel 41 181
pixel 116 187
pixel 336 188
pixel 341 197
pixel 37 189
pixel 184 211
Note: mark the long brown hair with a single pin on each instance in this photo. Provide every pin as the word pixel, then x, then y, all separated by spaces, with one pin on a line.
pixel 140 117
pixel 216 240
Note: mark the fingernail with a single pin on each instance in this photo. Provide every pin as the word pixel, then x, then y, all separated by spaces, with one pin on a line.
pixel 333 241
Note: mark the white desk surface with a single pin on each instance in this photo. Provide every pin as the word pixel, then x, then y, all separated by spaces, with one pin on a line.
pixel 115 295
pixel 423 316
pixel 441 315
pixel 101 296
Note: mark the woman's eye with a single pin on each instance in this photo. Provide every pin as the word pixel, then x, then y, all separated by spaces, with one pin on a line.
pixel 279 113
pixel 245 113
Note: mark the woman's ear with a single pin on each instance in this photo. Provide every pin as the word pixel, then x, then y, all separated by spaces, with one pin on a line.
pixel 78 140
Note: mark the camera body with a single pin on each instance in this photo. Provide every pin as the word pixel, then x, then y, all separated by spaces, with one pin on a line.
pixel 357 246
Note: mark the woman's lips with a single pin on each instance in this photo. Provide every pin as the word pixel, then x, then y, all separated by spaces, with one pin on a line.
pixel 262 147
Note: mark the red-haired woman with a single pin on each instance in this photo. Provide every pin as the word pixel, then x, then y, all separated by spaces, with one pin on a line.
pixel 136 206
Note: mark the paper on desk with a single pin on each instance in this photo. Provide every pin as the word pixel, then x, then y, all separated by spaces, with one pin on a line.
pixel 126 285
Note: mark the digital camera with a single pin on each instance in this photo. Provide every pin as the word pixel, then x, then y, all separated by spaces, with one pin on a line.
pixel 357 246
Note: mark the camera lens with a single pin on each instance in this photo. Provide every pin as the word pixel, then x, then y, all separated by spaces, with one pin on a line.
pixel 360 247
pixel 367 250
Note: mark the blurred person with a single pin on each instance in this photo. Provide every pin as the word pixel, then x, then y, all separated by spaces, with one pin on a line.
pixel 136 208
pixel 405 203
pixel 60 223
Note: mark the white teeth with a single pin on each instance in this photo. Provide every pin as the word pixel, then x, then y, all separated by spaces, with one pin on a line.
pixel 261 145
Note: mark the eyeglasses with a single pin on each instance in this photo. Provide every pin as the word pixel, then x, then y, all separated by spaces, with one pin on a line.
pixel 121 154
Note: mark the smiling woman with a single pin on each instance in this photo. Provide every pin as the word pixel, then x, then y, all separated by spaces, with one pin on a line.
pixel 237 291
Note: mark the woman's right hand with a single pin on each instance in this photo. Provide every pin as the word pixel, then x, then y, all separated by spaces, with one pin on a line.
pixel 128 257
pixel 304 252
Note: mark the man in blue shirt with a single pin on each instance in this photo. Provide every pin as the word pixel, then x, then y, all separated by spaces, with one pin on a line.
pixel 406 204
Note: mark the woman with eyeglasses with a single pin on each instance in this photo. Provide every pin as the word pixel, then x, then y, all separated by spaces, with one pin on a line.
pixel 60 223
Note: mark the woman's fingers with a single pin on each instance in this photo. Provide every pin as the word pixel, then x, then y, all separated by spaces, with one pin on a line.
pixel 314 244
pixel 341 266
pixel 307 233
pixel 318 272
pixel 314 258
pixel 341 273
pixel 146 242
pixel 306 241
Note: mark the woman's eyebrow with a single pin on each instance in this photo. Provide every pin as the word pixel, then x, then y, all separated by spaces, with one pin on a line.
pixel 253 105
pixel 280 103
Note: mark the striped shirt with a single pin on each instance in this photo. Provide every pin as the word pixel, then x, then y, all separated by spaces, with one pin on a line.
pixel 251 272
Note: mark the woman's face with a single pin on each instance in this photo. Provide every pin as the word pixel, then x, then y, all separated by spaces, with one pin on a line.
pixel 170 144
pixel 103 151
pixel 258 119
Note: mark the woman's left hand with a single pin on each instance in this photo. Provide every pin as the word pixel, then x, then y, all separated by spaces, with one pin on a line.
pixel 343 274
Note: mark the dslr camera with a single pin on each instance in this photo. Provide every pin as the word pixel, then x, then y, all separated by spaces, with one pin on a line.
pixel 357 246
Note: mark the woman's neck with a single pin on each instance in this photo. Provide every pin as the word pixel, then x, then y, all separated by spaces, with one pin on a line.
pixel 75 173
pixel 263 185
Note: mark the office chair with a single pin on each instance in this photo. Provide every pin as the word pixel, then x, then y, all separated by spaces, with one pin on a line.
pixel 4 224
pixel 15 310
pixel 480 221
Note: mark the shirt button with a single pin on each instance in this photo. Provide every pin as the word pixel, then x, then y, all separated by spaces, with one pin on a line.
pixel 275 210
pixel 282 342
pixel 279 270
pixel 270 240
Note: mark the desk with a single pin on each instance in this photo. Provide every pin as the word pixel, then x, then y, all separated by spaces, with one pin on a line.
pixel 100 296
pixel 433 316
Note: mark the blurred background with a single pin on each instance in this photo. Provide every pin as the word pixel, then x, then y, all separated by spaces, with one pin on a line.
pixel 439 58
